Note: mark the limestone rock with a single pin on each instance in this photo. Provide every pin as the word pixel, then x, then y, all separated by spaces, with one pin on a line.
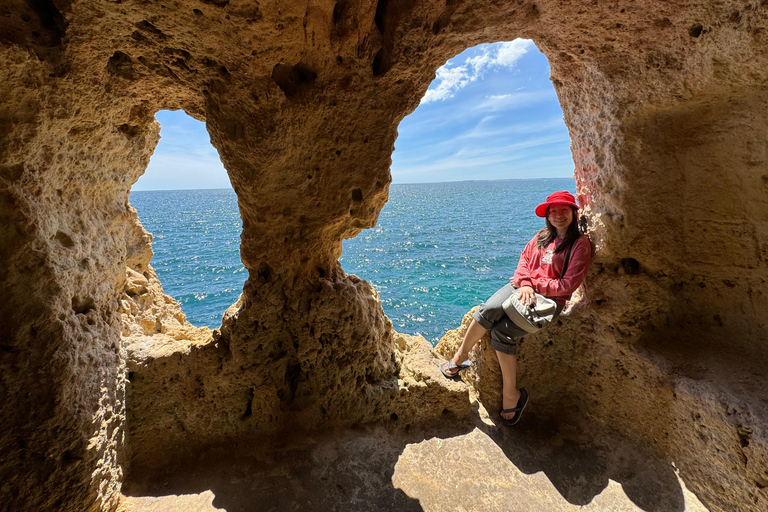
pixel 666 110
pixel 484 376
pixel 447 465
pixel 668 411
pixel 202 502
pixel 471 472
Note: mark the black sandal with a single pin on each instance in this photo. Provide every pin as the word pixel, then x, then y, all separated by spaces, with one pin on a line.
pixel 517 410
pixel 448 365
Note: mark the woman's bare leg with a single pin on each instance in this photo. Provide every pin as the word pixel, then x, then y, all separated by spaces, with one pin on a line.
pixel 475 331
pixel 510 393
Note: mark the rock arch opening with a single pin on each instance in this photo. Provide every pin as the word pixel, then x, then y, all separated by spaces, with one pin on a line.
pixel 185 201
pixel 485 145
pixel 667 113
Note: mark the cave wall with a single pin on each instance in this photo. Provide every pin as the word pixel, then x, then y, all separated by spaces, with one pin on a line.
pixel 666 116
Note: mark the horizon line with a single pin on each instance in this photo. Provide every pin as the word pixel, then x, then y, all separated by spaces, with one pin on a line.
pixel 391 184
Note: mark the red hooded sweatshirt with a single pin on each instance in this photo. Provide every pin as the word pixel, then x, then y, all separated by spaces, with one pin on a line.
pixel 540 268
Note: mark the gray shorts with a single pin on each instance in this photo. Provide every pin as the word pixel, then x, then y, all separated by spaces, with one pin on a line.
pixel 493 318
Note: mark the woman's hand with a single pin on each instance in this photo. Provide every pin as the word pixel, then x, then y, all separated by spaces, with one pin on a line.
pixel 527 296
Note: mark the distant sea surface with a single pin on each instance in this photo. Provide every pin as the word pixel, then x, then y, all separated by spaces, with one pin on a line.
pixel 437 250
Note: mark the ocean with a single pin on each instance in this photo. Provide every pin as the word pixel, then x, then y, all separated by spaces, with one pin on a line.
pixel 437 250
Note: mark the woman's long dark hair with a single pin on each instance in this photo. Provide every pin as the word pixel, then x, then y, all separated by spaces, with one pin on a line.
pixel 547 235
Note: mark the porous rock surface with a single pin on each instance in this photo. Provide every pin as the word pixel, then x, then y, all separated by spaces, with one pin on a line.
pixel 667 113
pixel 475 469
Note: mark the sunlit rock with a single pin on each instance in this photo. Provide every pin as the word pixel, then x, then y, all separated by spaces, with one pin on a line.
pixel 666 110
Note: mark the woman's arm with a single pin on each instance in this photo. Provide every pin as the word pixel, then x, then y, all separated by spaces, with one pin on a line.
pixel 522 276
pixel 578 267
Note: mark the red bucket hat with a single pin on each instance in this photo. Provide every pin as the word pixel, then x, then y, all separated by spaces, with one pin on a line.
pixel 559 197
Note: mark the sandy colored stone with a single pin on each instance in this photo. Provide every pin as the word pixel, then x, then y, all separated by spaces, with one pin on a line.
pixel 447 465
pixel 202 502
pixel 666 110
pixel 698 424
pixel 472 473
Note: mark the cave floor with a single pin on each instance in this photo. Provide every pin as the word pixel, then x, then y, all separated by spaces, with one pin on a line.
pixel 539 465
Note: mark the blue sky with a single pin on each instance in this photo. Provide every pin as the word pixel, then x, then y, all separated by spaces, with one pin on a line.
pixel 184 158
pixel 490 113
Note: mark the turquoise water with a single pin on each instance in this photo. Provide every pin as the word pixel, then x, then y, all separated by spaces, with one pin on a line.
pixel 197 248
pixel 437 250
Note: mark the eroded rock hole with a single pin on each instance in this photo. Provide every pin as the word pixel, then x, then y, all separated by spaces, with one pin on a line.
pixel 82 305
pixel 249 407
pixel 292 378
pixel 630 265
pixel 439 248
pixel 381 11
pixel 146 26
pixel 293 79
pixel 264 273
pixel 64 239
pixel 695 30
pixel 378 66
pixel 186 202
pixel 51 20
pixel 128 129
pixel 338 10
pixel 120 64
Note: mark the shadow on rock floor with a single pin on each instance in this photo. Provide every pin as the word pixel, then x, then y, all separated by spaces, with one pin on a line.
pixel 538 466
pixel 582 461
pixel 348 470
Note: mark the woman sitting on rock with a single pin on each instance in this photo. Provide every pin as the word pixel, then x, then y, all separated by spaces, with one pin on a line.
pixel 540 270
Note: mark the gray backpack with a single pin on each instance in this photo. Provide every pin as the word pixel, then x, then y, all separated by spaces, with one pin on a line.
pixel 534 317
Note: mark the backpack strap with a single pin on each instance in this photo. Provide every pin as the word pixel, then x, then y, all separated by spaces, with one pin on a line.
pixel 567 259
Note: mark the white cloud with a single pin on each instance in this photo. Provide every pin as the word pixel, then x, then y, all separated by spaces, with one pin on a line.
pixel 448 81
pixel 478 156
pixel 509 53
pixel 506 131
pixel 525 160
pixel 450 78
pixel 479 63
pixel 514 100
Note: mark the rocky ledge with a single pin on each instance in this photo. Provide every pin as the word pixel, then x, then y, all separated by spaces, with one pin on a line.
pixel 102 377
